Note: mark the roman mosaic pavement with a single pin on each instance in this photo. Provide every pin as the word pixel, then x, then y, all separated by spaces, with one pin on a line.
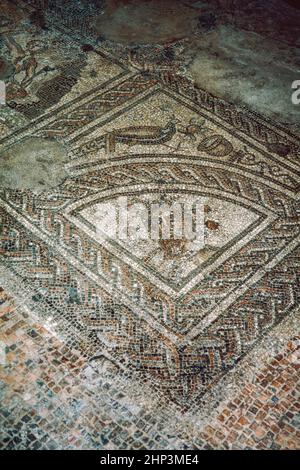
pixel 106 337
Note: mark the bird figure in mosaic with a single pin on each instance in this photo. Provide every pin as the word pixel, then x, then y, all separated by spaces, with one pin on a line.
pixel 132 135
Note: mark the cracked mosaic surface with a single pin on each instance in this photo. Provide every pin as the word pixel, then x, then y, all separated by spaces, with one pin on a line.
pixel 89 323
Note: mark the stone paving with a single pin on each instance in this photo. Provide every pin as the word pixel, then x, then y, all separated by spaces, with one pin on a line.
pixel 110 339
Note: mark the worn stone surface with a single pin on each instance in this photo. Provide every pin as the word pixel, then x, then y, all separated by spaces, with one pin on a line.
pixel 34 163
pixel 142 22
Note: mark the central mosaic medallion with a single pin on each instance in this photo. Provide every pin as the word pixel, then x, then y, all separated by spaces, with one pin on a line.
pixel 174 261
pixel 155 296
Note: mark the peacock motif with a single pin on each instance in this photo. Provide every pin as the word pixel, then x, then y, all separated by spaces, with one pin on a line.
pixel 132 135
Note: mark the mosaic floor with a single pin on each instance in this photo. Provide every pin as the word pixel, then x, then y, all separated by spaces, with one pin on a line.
pixel 129 344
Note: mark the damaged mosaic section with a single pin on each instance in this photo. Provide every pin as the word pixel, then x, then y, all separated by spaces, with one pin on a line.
pixel 181 318
pixel 34 163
